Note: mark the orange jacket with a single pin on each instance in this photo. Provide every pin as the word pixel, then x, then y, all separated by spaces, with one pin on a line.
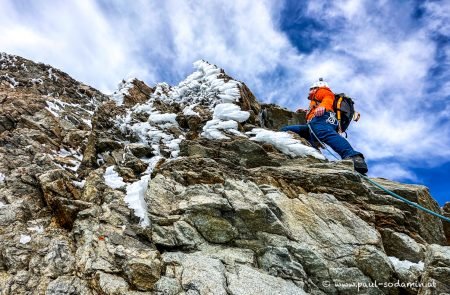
pixel 321 97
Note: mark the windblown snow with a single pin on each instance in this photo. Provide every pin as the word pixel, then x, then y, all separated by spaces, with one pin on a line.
pixel 208 87
pixel 122 90
pixel 284 142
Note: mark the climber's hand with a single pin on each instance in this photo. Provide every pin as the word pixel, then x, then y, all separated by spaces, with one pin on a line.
pixel 319 111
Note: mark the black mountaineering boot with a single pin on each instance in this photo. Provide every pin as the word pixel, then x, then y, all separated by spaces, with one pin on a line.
pixel 359 163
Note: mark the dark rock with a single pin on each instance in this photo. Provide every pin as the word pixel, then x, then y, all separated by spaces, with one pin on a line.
pixel 106 144
pixel 275 117
pixel 139 93
pixel 140 150
pixel 446 211
pixel 62 196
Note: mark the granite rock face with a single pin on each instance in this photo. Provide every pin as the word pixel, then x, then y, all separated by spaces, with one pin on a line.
pixel 188 190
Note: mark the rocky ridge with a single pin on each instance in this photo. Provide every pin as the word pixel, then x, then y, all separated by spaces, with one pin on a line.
pixel 189 189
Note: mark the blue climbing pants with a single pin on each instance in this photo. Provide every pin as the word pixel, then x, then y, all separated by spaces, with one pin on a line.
pixel 325 127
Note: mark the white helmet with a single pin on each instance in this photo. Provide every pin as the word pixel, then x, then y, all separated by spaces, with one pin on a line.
pixel 320 83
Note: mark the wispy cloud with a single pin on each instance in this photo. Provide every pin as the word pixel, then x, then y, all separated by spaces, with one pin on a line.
pixel 75 36
pixel 384 60
pixel 393 171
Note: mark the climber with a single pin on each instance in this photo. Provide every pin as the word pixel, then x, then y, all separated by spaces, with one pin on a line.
pixel 323 122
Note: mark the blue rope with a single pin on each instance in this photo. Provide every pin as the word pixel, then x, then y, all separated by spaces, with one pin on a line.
pixel 325 147
pixel 385 189
pixel 405 200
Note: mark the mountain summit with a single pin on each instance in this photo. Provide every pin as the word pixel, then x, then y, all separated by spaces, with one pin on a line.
pixel 190 189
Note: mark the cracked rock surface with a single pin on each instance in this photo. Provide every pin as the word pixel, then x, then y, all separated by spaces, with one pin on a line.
pixel 151 190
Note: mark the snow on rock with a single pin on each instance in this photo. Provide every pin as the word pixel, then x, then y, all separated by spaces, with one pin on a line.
pixel 135 199
pixel 136 192
pixel 53 108
pixel 206 86
pixel 406 264
pixel 2 177
pixel 226 117
pixel 163 118
pixel 7 61
pixel 112 178
pixel 230 111
pixel 52 75
pixel 37 81
pixel 37 228
pixel 24 239
pixel 122 90
pixel 11 80
pixel 284 142
pixel 189 110
pixel 57 106
pixel 213 128
pixel 79 184
pixel 74 161
pixel 1 204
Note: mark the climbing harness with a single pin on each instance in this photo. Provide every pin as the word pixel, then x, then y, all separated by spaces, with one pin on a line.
pixel 332 119
pixel 383 188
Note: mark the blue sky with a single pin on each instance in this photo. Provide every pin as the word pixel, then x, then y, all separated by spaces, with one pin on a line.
pixel 393 57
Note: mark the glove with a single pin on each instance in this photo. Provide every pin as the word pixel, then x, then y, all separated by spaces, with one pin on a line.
pixel 319 111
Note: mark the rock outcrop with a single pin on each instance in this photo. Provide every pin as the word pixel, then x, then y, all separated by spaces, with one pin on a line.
pixel 190 189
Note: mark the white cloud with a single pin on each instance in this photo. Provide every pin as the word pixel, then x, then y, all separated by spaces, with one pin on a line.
pixel 392 171
pixel 74 36
pixel 382 62
pixel 439 16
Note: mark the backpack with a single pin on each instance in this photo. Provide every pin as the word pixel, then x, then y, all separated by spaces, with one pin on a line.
pixel 344 108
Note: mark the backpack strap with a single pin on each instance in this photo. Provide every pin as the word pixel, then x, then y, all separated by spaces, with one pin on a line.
pixel 339 114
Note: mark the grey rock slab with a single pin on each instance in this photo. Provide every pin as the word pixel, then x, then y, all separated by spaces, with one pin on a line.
pixel 110 284
pixel 402 246
pixel 246 280
pixel 436 277
pixel 167 286
pixel 68 285
pixel 204 275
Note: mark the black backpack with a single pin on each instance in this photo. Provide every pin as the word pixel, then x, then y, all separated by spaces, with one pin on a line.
pixel 344 108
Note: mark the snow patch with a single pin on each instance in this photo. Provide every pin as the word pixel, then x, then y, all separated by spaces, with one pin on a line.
pixel 112 178
pixel 406 264
pixel 163 118
pixel 189 111
pixel 79 184
pixel 230 111
pixel 51 75
pixel 24 67
pixel 122 90
pixel 135 199
pixel 87 122
pixel 212 129
pixel 11 80
pixel 2 177
pixel 53 108
pixel 37 81
pixel 284 142
pixel 24 239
